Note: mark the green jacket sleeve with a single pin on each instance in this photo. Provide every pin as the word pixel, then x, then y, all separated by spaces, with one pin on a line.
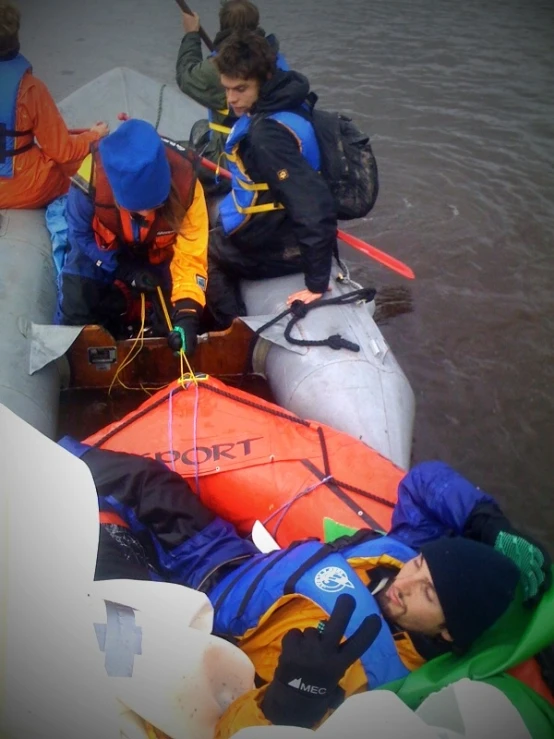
pixel 198 77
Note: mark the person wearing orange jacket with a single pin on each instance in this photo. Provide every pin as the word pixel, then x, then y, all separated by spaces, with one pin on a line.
pixel 137 220
pixel 37 153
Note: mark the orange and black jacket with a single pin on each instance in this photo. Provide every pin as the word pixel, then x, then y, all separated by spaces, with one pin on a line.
pixel 103 232
pixel 48 153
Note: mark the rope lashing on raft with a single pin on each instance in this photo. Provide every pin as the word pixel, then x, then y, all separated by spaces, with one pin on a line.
pixel 184 379
pixel 160 106
pixel 288 504
pixel 324 477
pixel 300 310
pixel 138 344
pixel 328 479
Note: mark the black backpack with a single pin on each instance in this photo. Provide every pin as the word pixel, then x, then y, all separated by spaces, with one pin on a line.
pixel 347 164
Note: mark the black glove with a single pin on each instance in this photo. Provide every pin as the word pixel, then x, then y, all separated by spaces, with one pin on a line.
pixel 140 278
pixel 487 523
pixel 306 681
pixel 185 318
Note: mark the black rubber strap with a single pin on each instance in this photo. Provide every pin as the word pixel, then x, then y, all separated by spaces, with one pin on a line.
pixel 333 485
pixel 261 574
pixel 300 310
pixel 324 551
pixel 6 153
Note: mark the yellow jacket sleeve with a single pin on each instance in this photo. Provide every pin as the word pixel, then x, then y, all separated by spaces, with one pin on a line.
pixel 189 265
pixel 245 711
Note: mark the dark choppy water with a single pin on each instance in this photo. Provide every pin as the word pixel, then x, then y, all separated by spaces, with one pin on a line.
pixel 459 100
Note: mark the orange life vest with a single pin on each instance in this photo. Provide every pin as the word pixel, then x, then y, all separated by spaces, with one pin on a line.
pixel 254 460
pixel 109 517
pixel 113 226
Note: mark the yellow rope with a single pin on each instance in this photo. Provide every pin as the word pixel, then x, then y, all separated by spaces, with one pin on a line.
pixel 135 349
pixel 164 308
pixel 185 376
pixel 138 344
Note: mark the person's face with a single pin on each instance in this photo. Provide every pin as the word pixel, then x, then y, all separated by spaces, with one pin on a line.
pixel 241 94
pixel 411 602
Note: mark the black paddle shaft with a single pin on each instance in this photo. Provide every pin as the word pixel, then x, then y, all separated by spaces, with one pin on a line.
pixel 203 35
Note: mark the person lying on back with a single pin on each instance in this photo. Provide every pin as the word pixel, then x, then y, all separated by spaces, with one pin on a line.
pixel 199 79
pixel 445 573
pixel 280 217
pixel 38 155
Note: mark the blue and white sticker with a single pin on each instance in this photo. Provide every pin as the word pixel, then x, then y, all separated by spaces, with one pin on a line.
pixel 332 580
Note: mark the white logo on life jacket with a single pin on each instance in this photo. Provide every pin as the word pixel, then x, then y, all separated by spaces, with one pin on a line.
pixel 332 579
pixel 305 688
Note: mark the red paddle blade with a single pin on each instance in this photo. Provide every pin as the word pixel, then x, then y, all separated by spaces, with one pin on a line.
pixel 371 251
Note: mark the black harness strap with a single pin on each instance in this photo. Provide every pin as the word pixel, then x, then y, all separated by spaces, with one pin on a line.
pixel 336 486
pixel 336 546
pixel 242 572
pixel 290 585
pixel 261 574
pixel 324 451
pixel 14 134
pixel 6 133
pixel 219 602
pixel 341 495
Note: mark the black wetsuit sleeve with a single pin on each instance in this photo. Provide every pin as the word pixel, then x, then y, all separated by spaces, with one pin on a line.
pixel 159 498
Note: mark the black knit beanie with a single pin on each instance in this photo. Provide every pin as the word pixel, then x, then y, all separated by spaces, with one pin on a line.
pixel 474 584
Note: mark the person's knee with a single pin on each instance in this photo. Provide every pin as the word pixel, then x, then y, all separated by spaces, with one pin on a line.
pixel 71 309
pixel 82 301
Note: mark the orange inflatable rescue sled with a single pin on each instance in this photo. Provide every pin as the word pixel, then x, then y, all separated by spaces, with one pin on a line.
pixel 249 459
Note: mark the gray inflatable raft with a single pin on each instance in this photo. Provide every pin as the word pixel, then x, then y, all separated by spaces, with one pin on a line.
pixel 27 296
pixel 363 393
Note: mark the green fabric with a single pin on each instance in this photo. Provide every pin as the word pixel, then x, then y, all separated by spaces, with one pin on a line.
pixel 536 713
pixel 199 79
pixel 527 557
pixel 518 635
pixel 334 530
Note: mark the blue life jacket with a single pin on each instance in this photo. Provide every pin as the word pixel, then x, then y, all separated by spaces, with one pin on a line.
pixel 11 74
pixel 230 118
pixel 317 572
pixel 241 203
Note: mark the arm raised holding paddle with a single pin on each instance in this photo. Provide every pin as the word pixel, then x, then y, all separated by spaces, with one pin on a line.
pixel 188 12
